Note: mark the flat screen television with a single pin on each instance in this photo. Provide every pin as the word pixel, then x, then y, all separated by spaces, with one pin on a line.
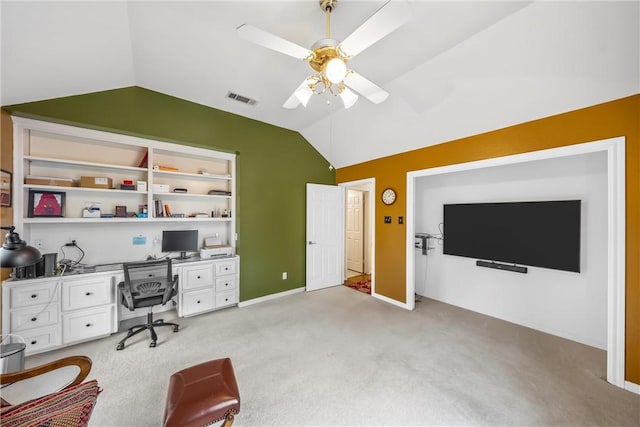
pixel 539 234
pixel 182 241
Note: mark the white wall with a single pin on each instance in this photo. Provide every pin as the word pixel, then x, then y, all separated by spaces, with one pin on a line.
pixel 114 245
pixel 570 305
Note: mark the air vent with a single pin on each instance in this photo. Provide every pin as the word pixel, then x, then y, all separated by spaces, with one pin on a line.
pixel 241 98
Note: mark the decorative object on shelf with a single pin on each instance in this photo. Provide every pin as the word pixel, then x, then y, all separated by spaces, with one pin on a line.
pixel 46 204
pixel 142 186
pixel 121 211
pixel 15 252
pixel 143 161
pixel 389 196
pixel 5 188
pixel 91 210
pixel 180 190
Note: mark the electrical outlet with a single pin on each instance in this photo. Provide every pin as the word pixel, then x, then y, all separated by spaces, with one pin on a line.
pixel 284 275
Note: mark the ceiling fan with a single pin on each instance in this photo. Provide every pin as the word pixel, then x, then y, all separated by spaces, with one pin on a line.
pixel 328 57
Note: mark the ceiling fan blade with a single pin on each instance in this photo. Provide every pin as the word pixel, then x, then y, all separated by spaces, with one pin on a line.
pixel 391 16
pixel 365 88
pixel 271 41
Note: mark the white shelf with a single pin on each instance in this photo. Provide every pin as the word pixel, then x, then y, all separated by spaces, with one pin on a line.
pixel 212 177
pixel 79 163
pixel 87 189
pixel 191 195
pixel 58 220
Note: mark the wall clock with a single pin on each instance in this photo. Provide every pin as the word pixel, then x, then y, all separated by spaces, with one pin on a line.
pixel 388 196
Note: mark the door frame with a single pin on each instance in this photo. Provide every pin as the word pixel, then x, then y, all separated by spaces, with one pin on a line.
pixel 616 234
pixel 370 212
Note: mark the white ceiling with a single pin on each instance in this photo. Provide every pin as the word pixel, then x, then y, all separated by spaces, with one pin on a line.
pixel 455 69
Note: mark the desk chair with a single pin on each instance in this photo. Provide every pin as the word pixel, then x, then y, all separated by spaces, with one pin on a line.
pixel 147 284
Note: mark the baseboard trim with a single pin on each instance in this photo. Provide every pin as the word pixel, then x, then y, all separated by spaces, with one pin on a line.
pixel 270 297
pixel 390 301
pixel 632 387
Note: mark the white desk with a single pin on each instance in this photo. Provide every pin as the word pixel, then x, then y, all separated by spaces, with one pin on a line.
pixel 53 312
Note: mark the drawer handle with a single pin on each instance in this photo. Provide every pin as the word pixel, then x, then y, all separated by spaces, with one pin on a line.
pixel 34 342
pixel 88 325
pixel 198 277
pixel 33 319
pixel 89 294
pixel 198 301
pixel 226 299
pixel 34 296
pixel 226 269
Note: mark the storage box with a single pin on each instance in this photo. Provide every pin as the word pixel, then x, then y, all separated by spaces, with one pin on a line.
pixel 160 188
pixel 47 180
pixel 96 182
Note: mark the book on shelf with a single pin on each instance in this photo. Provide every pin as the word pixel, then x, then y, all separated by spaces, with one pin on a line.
pixel 158 208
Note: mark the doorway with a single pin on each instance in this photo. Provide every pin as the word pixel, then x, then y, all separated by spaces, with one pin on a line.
pixel 359 234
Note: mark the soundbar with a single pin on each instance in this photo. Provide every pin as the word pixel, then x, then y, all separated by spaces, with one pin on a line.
pixel 500 266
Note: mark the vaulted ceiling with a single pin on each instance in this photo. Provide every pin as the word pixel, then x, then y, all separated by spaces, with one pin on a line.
pixel 454 69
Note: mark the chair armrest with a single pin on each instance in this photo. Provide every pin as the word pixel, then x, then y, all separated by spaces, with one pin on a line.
pixel 125 291
pixel 82 362
pixel 171 290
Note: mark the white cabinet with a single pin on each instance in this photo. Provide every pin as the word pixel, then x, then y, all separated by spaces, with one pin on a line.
pixel 31 310
pixel 207 286
pixel 88 307
pixel 50 312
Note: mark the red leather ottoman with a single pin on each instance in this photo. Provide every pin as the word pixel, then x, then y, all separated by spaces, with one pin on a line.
pixel 202 394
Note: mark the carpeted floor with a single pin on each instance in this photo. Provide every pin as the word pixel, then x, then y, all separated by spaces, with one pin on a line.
pixel 335 357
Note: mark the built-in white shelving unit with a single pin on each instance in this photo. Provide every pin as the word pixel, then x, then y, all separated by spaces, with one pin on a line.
pixel 63 154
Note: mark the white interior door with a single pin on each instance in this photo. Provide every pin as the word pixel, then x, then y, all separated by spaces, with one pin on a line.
pixel 355 230
pixel 325 236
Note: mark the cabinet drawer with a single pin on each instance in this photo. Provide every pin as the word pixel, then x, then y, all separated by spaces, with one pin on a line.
pixel 197 276
pixel 38 293
pixel 197 302
pixel 81 293
pixel 41 339
pixel 226 298
pixel 85 324
pixel 34 317
pixel 226 267
pixel 226 283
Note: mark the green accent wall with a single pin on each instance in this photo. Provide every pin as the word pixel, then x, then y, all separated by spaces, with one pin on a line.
pixel 273 167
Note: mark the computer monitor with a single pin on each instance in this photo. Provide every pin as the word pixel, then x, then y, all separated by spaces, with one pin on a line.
pixel 182 241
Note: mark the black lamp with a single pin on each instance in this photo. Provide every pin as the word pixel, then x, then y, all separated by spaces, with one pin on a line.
pixel 15 252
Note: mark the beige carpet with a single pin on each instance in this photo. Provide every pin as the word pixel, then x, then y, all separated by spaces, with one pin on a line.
pixel 338 357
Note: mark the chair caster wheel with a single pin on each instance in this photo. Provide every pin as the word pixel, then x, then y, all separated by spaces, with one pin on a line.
pixel 120 346
pixel 175 328
pixel 152 344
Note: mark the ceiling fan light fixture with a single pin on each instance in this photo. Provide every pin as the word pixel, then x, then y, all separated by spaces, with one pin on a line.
pixel 348 98
pixel 303 94
pixel 335 70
